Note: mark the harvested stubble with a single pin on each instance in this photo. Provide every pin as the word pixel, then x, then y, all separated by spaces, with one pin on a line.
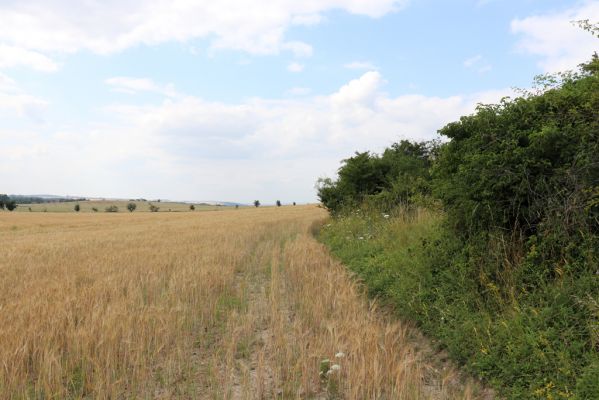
pixel 236 304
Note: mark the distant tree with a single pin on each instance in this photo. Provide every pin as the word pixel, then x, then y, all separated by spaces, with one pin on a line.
pixel 7 202
pixel 94 209
pixel 256 203
pixel 112 208
pixel 192 207
pixel 131 207
pixel 77 207
pixel 29 209
pixel 294 203
pixel 278 203
pixel 236 205
pixel 3 200
pixel 154 208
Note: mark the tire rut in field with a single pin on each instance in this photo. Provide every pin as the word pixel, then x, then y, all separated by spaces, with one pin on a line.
pixel 237 366
pixel 297 307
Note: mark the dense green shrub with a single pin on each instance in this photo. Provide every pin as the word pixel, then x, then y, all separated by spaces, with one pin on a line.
pixel 530 164
pixel 401 172
pixel 507 276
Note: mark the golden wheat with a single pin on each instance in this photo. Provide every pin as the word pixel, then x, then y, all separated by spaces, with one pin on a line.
pixel 239 304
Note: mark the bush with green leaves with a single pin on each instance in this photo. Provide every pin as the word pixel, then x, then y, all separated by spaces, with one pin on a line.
pixel 131 206
pixel 7 203
pixel 396 176
pixel 506 277
pixel 77 208
pixel 111 209
pixel 530 164
pixel 154 208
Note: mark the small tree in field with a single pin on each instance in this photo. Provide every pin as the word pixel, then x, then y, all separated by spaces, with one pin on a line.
pixel 131 207
pixel 112 209
pixel 278 203
pixel 294 203
pixel 256 203
pixel 154 208
pixel 192 207
pixel 6 202
pixel 77 208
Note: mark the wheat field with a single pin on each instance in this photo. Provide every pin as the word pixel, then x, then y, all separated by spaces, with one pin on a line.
pixel 239 304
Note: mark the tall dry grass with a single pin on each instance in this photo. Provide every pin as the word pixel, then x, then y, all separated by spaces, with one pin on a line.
pixel 237 304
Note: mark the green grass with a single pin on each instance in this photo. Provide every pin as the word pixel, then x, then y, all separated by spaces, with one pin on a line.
pixel 100 205
pixel 536 340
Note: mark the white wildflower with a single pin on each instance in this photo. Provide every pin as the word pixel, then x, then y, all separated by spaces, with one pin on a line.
pixel 340 355
pixel 335 367
pixel 385 216
pixel 361 238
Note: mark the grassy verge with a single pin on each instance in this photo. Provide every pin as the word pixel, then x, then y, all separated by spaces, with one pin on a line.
pixel 528 338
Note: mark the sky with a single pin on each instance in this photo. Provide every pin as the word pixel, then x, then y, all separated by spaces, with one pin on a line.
pixel 237 100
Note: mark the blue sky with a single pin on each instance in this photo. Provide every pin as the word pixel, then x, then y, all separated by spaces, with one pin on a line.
pixel 242 100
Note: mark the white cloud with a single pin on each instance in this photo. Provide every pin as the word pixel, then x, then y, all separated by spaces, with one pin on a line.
pixel 478 63
pixel 367 65
pixel 299 91
pixel 299 49
pixel 359 91
pixel 472 60
pixel 190 148
pixel 23 105
pixel 253 26
pixel 6 83
pixel 15 102
pixel 552 37
pixel 295 67
pixel 11 56
pixel 134 85
pixel 307 20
